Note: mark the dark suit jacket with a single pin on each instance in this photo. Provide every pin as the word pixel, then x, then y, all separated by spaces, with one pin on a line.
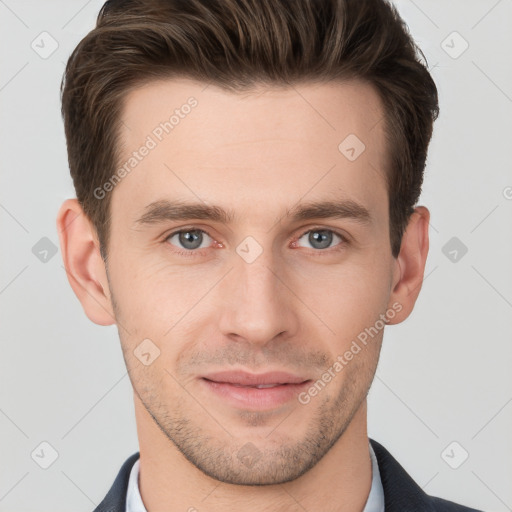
pixel 401 493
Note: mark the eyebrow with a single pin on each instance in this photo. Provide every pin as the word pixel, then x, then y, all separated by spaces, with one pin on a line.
pixel 165 210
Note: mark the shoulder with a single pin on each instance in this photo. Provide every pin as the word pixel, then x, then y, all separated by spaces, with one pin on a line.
pixel 115 500
pixel 449 506
pixel 402 493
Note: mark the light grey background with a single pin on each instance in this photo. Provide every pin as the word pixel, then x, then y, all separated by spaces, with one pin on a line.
pixel 444 373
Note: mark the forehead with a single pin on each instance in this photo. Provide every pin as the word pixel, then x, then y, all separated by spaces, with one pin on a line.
pixel 258 152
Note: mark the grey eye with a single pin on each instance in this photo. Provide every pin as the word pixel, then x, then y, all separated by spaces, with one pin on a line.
pixel 189 239
pixel 320 238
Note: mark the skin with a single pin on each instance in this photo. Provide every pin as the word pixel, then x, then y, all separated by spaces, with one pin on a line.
pixel 295 308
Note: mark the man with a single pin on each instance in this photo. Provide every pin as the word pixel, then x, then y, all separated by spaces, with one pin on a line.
pixel 246 176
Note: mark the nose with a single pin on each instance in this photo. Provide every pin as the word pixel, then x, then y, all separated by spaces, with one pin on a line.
pixel 257 302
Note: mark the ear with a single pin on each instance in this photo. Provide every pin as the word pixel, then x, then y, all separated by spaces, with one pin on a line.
pixel 83 263
pixel 410 265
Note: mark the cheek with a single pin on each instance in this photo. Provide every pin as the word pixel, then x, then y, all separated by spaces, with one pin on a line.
pixel 148 291
pixel 163 305
pixel 347 297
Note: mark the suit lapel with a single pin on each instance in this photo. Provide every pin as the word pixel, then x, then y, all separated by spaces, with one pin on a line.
pixel 401 492
pixel 115 500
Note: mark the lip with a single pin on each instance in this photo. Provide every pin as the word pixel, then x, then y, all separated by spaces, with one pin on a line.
pixel 234 387
pixel 252 379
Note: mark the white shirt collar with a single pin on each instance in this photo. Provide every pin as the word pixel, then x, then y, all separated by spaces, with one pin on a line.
pixel 133 499
pixel 374 503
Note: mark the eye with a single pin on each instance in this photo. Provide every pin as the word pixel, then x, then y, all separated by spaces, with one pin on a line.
pixel 321 238
pixel 190 239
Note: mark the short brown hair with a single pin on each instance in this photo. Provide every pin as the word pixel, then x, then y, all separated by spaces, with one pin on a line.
pixel 236 45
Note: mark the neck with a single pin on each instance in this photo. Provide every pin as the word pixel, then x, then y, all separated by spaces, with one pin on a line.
pixel 339 482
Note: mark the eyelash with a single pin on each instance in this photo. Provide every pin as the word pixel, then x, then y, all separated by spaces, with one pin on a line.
pixel 194 252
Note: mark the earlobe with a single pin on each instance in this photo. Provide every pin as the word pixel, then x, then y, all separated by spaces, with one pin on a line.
pixel 410 264
pixel 83 264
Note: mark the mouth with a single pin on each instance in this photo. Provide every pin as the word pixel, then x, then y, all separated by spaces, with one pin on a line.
pixel 257 386
pixel 255 391
pixel 242 378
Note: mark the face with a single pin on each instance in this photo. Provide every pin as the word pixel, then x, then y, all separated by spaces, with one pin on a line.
pixel 245 240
